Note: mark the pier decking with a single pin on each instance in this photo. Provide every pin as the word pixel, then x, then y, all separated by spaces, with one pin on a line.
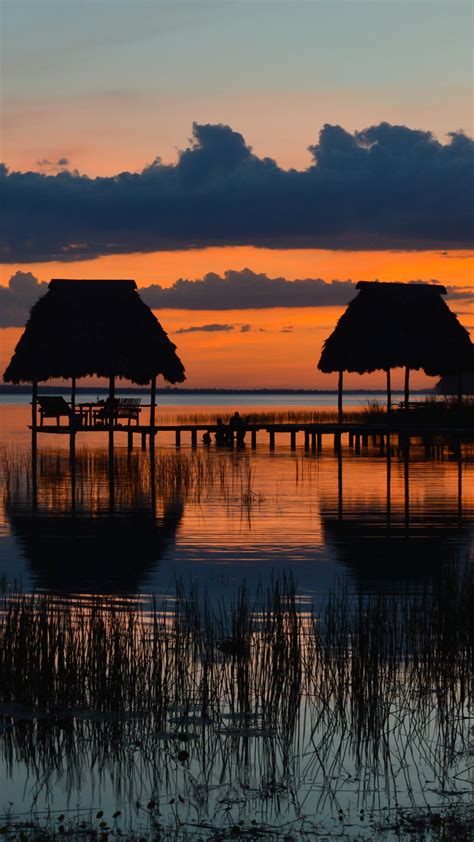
pixel 357 435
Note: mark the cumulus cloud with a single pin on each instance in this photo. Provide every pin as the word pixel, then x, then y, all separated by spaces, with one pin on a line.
pixel 234 290
pixel 246 290
pixel 18 297
pixel 212 328
pixel 384 187
pixel 53 166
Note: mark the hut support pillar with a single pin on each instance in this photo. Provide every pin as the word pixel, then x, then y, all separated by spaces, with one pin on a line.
pixel 111 443
pixel 72 423
pixel 34 442
pixel 253 436
pixel 389 393
pixel 72 443
pixel 339 397
pixel 152 413
pixel 407 388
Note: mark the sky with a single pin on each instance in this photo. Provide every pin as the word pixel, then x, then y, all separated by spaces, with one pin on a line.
pixel 284 140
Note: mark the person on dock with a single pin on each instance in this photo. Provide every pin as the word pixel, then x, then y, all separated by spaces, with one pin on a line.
pixel 238 426
pixel 206 439
pixel 221 433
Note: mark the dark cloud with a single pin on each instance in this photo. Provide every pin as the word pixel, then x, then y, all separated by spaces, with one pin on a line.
pixel 17 299
pixel 234 290
pixel 212 328
pixel 460 293
pixel 384 187
pixel 53 166
pixel 246 290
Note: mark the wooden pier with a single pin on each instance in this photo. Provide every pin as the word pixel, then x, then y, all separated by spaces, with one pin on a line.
pixel 357 437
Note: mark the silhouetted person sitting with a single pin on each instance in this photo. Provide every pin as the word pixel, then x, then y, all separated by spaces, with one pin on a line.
pixel 238 426
pixel 221 433
pixel 206 439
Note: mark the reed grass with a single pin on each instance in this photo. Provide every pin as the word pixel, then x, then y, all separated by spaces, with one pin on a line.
pixel 211 688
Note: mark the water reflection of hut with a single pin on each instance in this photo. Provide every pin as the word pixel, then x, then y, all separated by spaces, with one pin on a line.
pixel 102 328
pixel 386 541
pixel 80 553
pixel 393 325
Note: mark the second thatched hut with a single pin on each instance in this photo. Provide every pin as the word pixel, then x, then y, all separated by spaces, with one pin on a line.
pixel 393 325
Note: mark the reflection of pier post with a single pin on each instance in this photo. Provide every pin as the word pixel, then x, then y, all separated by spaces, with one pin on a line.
pixel 389 483
pixel 339 484
pixel 459 485
pixel 34 444
pixel 406 472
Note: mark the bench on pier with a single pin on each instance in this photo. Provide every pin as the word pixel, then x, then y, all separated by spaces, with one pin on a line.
pixel 129 408
pixel 115 408
pixel 51 406
pixel 401 406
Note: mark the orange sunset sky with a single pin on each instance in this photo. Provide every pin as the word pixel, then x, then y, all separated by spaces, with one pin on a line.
pixel 92 94
pixel 264 356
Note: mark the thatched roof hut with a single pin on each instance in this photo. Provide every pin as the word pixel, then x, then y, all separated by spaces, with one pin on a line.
pixel 448 385
pixel 93 327
pixel 392 325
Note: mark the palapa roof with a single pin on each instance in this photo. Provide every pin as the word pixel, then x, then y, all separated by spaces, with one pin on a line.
pixel 93 327
pixel 391 325
pixel 449 384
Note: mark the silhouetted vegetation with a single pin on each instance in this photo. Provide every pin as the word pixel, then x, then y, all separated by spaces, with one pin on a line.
pixel 180 700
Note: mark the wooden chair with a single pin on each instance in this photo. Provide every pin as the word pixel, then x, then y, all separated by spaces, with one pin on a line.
pixel 52 406
pixel 129 408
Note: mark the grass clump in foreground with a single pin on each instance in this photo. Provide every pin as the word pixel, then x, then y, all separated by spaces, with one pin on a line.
pixel 263 717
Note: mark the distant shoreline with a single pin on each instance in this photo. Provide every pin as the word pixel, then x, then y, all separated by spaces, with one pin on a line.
pixel 103 390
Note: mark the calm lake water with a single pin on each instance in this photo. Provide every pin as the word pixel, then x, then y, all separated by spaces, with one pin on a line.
pixel 371 524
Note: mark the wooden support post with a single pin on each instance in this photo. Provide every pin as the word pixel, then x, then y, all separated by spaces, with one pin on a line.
pixel 351 439
pixel 374 439
pixel 178 438
pixel 34 442
pixel 357 443
pixel 337 442
pixel 143 441
pixel 389 393
pixel 111 416
pixel 293 440
pixel 253 437
pixel 152 412
pixel 382 444
pixel 339 397
pixel 389 482
pixel 365 439
pixel 272 439
pixel 313 442
pixel 194 439
pixel 72 423
pixel 111 444
pixel 407 388
pixel 130 441
pixel 306 440
pixel 319 439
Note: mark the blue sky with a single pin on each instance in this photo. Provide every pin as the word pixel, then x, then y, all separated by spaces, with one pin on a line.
pixel 138 73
